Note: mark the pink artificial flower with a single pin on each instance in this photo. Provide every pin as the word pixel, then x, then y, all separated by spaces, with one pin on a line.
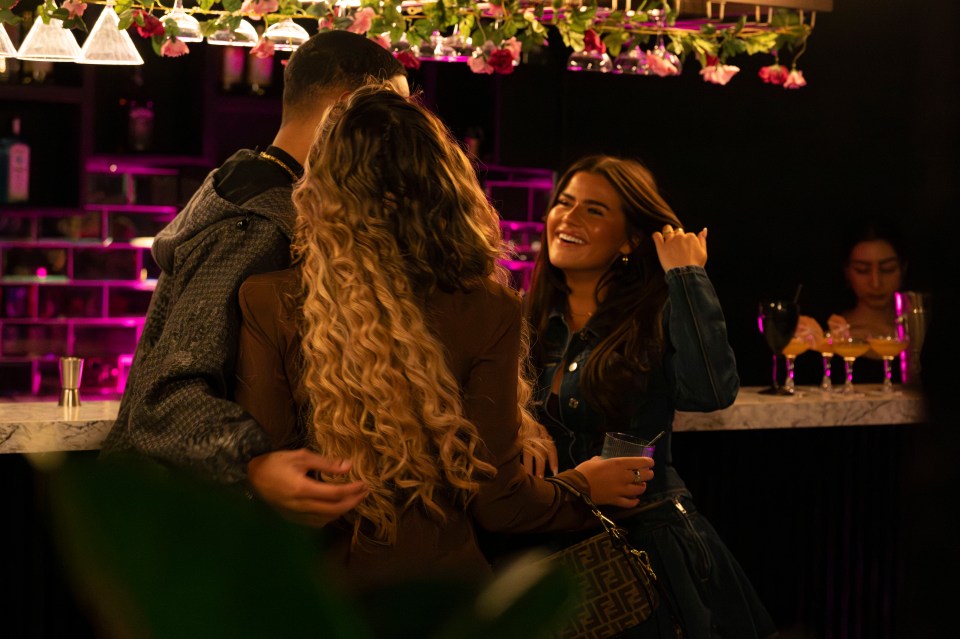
pixel 592 42
pixel 719 73
pixel 794 80
pixel 263 48
pixel 362 20
pixel 501 61
pixel 324 24
pixel 661 66
pixel 173 48
pixel 773 74
pixel 75 8
pixel 513 47
pixel 151 26
pixel 408 60
pixel 383 41
pixel 256 9
pixel 494 11
pixel 478 64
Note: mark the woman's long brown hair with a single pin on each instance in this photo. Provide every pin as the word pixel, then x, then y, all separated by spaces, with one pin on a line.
pixel 390 210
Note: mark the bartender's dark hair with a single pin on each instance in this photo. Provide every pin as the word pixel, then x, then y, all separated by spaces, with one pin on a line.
pixel 634 293
pixel 333 61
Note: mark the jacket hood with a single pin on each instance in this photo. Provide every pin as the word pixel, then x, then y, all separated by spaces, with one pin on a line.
pixel 206 208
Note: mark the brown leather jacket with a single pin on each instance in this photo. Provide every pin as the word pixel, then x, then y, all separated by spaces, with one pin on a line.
pixel 481 333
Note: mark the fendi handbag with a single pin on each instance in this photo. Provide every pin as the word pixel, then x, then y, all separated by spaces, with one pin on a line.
pixel 617 586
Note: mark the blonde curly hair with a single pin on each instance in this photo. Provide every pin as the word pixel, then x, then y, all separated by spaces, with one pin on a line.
pixel 389 210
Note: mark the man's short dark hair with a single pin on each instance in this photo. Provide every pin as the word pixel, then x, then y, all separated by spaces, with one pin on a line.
pixel 333 61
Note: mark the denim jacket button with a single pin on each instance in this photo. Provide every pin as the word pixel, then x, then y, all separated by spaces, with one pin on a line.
pixel 572 367
pixel 574 402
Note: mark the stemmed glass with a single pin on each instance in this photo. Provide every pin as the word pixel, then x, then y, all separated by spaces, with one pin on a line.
pixel 824 345
pixel 887 347
pixel 849 349
pixel 778 322
pixel 794 347
pixel 631 61
pixel 660 61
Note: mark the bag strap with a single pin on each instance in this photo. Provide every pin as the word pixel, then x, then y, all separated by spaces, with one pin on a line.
pixel 619 537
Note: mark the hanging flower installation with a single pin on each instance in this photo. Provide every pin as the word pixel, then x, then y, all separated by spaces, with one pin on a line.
pixel 494 37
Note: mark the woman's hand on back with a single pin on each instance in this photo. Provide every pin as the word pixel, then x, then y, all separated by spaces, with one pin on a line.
pixel 618 481
pixel 676 247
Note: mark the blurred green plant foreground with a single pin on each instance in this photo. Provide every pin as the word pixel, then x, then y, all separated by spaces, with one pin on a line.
pixel 158 554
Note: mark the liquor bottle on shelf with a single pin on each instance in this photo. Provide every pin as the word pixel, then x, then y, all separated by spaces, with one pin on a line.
pixel 234 68
pixel 14 167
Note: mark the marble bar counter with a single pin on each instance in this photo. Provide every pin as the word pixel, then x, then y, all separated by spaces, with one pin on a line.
pixel 808 408
pixel 44 427
pixel 41 427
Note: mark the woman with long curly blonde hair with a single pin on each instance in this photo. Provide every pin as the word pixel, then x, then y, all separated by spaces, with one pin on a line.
pixel 395 343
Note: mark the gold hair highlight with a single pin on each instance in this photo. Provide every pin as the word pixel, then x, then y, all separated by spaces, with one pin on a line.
pixel 388 211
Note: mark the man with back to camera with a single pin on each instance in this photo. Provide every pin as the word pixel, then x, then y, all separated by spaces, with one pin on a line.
pixel 177 406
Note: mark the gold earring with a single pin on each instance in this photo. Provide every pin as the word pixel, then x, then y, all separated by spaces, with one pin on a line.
pixel 625 258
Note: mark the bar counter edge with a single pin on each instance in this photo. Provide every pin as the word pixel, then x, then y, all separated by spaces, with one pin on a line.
pixel 43 427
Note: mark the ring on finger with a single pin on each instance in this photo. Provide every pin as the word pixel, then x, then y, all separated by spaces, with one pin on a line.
pixel 636 477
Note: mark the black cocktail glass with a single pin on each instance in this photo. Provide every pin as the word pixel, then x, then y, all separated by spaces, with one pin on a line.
pixel 778 322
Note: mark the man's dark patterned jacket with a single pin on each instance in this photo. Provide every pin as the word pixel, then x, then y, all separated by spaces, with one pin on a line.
pixel 176 407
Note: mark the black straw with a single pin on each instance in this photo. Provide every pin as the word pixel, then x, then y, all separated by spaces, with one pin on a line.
pixel 657 438
pixel 796 296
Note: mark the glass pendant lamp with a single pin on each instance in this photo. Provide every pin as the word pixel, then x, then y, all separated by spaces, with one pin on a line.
pixel 188 25
pixel 286 35
pixel 245 35
pixel 7 50
pixel 107 44
pixel 49 43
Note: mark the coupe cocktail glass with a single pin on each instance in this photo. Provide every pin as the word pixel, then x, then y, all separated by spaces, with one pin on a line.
pixel 794 347
pixel 887 347
pixel 824 345
pixel 849 349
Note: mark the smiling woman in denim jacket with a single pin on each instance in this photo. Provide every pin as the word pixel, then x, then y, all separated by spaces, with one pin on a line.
pixel 627 328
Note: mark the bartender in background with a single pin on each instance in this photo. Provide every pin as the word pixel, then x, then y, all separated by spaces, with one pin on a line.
pixel 875 262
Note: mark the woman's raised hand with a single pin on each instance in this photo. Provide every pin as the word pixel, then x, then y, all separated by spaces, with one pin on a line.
pixel 675 247
pixel 839 326
pixel 618 481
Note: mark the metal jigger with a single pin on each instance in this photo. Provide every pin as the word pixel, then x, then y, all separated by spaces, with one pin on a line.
pixel 70 370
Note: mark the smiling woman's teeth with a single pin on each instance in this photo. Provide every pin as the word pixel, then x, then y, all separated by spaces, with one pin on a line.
pixel 570 239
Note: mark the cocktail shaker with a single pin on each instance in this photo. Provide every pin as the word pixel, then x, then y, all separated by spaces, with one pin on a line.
pixel 71 368
pixel 913 316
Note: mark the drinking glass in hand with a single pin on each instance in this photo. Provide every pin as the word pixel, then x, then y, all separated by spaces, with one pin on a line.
pixel 849 350
pixel 625 445
pixel 887 347
pixel 778 322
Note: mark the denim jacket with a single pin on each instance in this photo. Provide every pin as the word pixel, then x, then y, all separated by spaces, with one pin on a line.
pixel 698 373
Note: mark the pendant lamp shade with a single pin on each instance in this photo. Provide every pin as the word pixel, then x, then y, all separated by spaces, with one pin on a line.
pixel 286 35
pixel 107 44
pixel 7 50
pixel 49 43
pixel 243 36
pixel 188 25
